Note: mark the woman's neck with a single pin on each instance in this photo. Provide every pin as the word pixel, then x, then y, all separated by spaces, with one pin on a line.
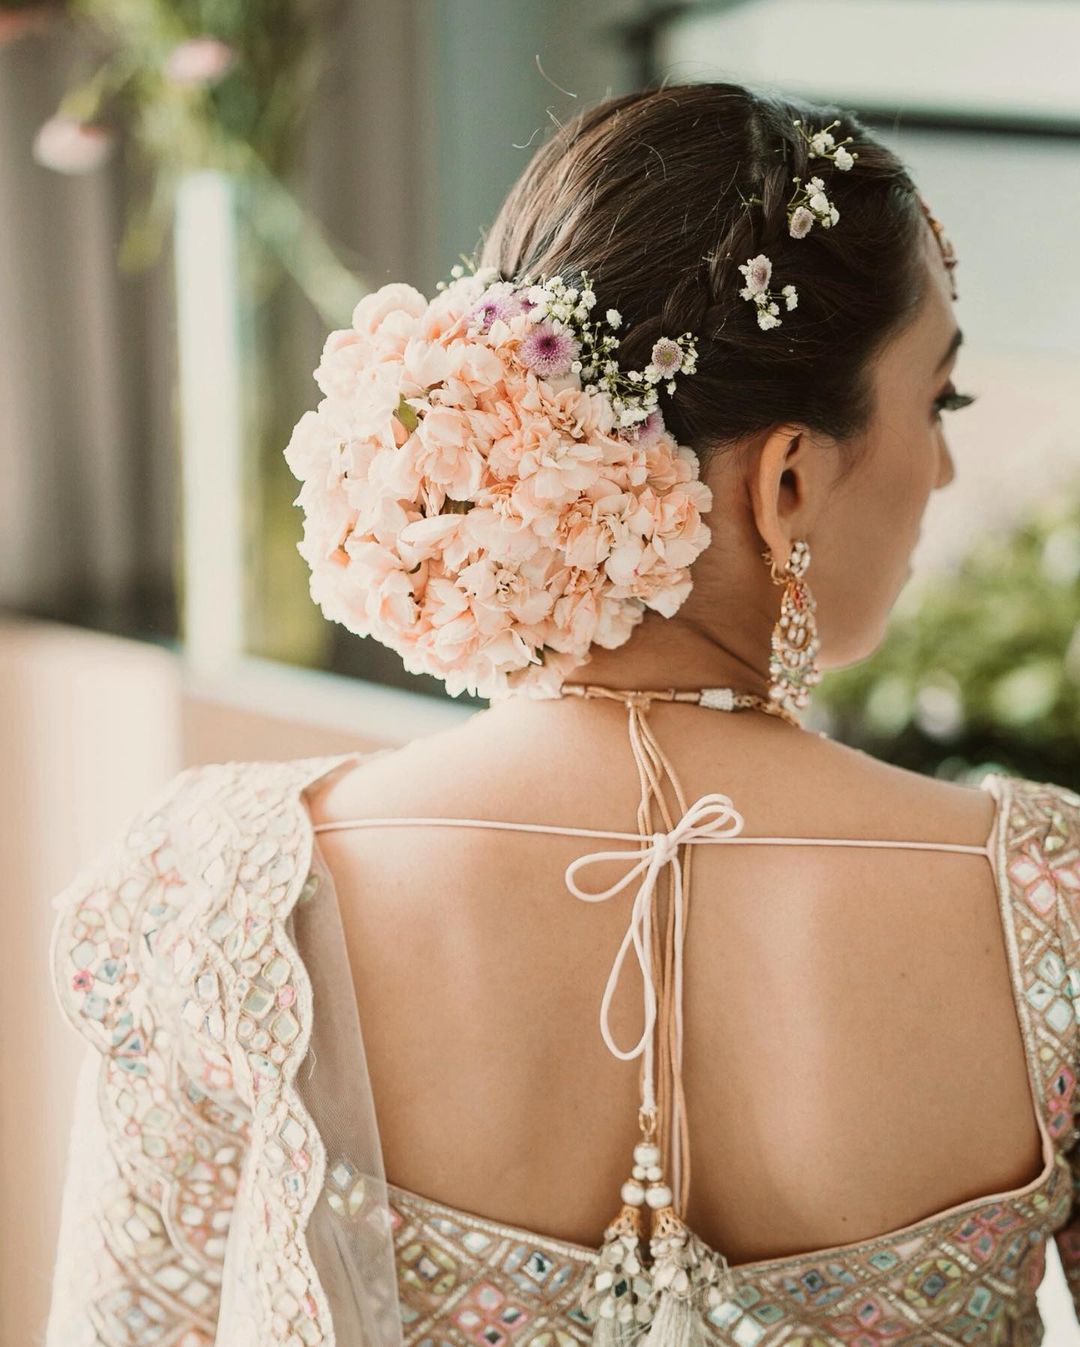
pixel 673 652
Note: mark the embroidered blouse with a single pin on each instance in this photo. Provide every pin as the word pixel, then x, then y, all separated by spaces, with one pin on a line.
pixel 225 1182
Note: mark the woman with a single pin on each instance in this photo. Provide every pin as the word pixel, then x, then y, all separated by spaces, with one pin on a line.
pixel 872 1071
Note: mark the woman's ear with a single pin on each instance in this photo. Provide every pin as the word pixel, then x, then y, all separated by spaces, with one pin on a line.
pixel 777 490
pixel 789 484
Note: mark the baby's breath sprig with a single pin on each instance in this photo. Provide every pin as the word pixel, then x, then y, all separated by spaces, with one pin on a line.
pixel 457 271
pixel 822 144
pixel 758 273
pixel 633 393
pixel 807 205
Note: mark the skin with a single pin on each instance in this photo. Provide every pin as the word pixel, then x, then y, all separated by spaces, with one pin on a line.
pixel 853 1058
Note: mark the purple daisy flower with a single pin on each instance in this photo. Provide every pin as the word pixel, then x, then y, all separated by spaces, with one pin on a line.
pixel 651 428
pixel 645 432
pixel 547 351
pixel 497 301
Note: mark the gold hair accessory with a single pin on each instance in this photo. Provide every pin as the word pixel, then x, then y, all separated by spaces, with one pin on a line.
pixel 948 252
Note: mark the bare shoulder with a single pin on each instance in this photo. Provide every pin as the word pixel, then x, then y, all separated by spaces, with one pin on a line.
pixel 894 801
pixel 573 765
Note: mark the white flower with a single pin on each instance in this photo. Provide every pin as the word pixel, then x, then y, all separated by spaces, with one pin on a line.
pixel 666 356
pixel 758 272
pixel 819 203
pixel 801 222
pixel 820 142
pixel 767 320
pixel 843 159
pixel 834 215
pixel 614 317
pixel 819 183
pixel 791 295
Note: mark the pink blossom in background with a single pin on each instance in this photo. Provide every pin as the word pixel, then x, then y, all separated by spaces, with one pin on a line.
pixel 27 18
pixel 199 61
pixel 67 145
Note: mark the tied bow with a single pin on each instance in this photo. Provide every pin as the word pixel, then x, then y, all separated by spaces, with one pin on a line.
pixel 709 819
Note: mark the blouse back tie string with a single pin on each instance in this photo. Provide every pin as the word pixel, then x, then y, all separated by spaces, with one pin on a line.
pixel 710 816
pixel 685 1277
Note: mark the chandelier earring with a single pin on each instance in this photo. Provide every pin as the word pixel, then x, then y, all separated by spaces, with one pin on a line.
pixel 792 668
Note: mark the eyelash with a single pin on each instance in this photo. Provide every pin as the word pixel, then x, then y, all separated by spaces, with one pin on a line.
pixel 951 401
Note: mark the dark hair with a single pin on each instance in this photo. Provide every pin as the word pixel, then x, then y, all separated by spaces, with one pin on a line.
pixel 645 192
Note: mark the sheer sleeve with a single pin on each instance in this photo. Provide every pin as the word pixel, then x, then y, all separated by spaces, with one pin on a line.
pixel 159 1134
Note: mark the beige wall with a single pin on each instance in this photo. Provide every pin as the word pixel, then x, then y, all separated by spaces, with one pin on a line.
pixel 87 727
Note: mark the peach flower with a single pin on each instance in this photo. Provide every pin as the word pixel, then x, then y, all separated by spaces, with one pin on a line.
pixel 487 523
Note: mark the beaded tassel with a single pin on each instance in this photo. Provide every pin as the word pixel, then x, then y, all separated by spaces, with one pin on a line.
pixel 688 1279
pixel 666 1301
pixel 618 1290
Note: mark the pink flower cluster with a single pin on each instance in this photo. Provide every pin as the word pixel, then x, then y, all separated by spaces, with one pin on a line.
pixel 487 521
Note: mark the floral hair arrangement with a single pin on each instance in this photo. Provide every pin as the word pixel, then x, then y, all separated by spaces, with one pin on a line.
pixel 485 490
pixel 808 204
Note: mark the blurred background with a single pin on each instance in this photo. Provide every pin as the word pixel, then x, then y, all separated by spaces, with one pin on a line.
pixel 192 194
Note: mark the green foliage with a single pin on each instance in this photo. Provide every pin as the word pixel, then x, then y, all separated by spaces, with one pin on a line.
pixel 981 665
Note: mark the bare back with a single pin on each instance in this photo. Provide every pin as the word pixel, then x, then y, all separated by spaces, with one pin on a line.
pixel 853 1058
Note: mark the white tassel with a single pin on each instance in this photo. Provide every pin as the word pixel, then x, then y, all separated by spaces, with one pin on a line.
pixel 618 1290
pixel 676 1323
pixel 688 1279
